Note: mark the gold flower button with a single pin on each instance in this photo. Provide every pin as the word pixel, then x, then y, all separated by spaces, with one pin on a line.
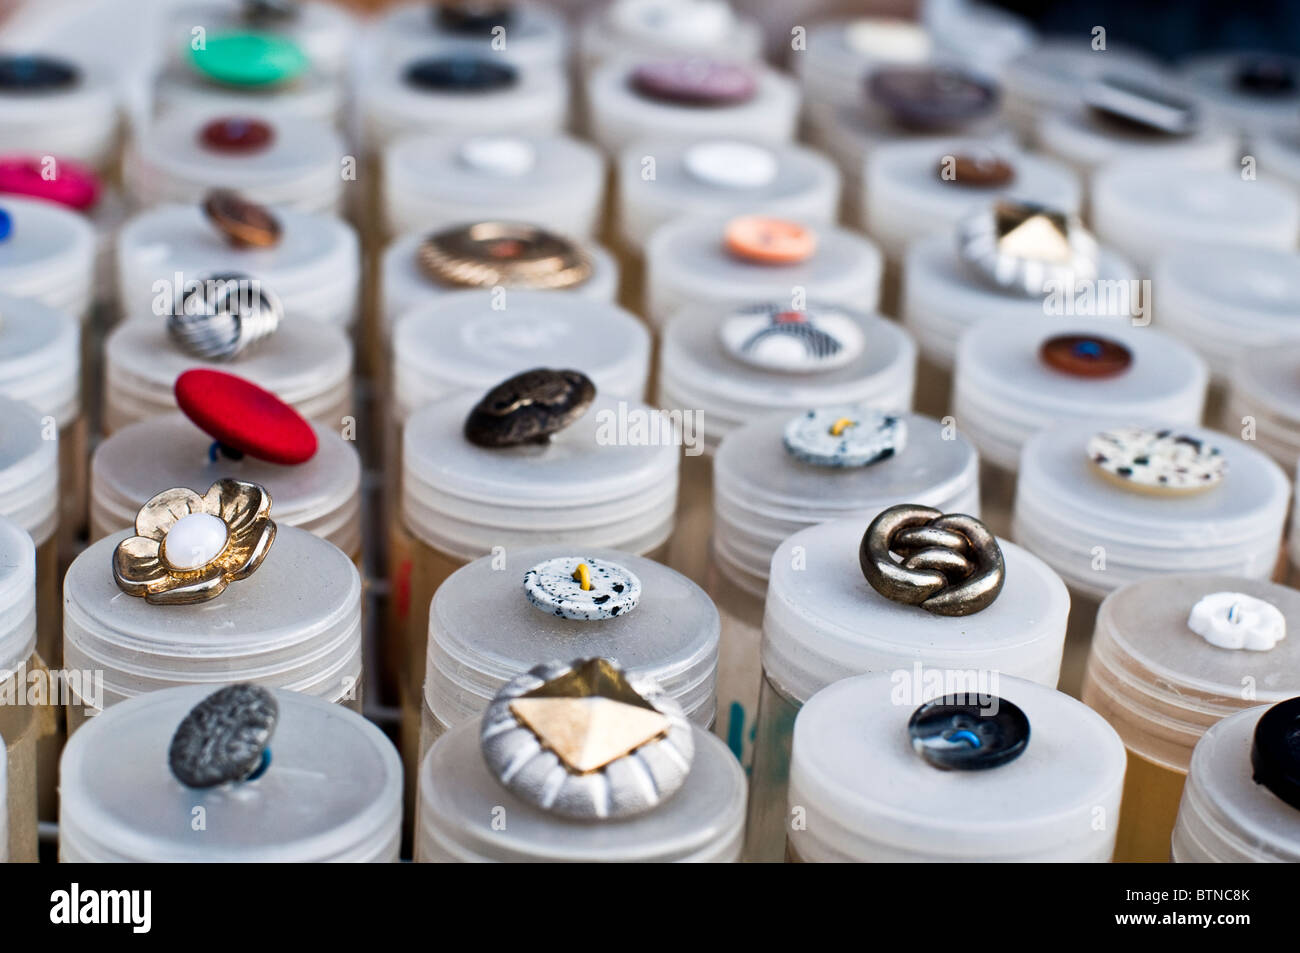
pixel 190 547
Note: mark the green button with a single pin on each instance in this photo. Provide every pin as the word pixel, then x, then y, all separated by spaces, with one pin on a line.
pixel 249 59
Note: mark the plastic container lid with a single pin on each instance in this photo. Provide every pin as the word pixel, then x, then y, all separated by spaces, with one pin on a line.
pixel 703 822
pixel 1142 207
pixel 904 197
pixel 1053 74
pixel 305 364
pixel 868 796
pixel 942 297
pixel 618 115
pixel 333 790
pixel 536 103
pixel 49 255
pixel 535 34
pixel 978 33
pixel 1266 387
pixel 671 635
pixel 1214 76
pixel 314 269
pixel 590 486
pixel 647 29
pixel 1067 514
pixel 721 176
pixel 294 623
pixel 1161 685
pixel 29 470
pixel 326 33
pixel 687 263
pixel 78 122
pixel 823 621
pixel 322 496
pixel 301 167
pixel 406 287
pixel 1278 157
pixel 838 54
pixel 698 371
pixel 17 599
pixel 460 342
pixel 40 358
pixel 1225 817
pixel 1004 393
pixel 314 95
pixel 1224 300
pixel 436 181
pixel 762 494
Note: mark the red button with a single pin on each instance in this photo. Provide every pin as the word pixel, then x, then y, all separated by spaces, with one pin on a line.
pixel 55 180
pixel 243 417
pixel 236 135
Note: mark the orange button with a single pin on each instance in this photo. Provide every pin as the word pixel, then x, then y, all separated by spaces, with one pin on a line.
pixel 769 241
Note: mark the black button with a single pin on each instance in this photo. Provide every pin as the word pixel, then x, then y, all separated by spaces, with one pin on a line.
pixel 36 74
pixel 927 97
pixel 954 734
pixel 473 17
pixel 1266 76
pixel 466 74
pixel 1275 751
pixel 529 408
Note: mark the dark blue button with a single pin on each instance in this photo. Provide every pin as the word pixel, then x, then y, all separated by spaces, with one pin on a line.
pixel 1275 751
pixel 465 74
pixel 1266 76
pixel 36 74
pixel 955 734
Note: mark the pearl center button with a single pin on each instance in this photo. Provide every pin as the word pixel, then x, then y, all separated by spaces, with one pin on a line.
pixel 194 541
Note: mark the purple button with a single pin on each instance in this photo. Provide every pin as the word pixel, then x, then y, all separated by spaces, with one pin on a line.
pixel 695 82
pixel 927 98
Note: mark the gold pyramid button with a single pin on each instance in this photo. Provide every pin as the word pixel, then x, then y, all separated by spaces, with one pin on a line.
pixel 588 733
pixel 1032 232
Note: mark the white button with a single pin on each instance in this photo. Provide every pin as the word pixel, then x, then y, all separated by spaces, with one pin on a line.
pixel 891 40
pixel 1234 620
pixel 733 165
pixel 194 541
pixel 499 155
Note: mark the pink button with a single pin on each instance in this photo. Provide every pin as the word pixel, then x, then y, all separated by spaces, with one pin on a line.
pixel 55 180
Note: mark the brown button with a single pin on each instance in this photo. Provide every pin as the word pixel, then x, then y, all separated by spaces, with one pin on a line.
pixel 769 241
pixel 529 408
pixel 244 224
pixel 977 171
pixel 1085 355
pixel 234 134
pixel 511 254
pixel 927 97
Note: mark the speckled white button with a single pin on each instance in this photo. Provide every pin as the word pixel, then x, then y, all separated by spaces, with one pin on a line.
pixel 844 436
pixel 499 155
pixel 820 338
pixel 194 541
pixel 1157 461
pixel 731 165
pixel 1234 620
pixel 555 587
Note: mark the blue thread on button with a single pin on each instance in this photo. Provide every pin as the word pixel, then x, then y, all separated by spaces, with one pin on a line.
pixel 968 736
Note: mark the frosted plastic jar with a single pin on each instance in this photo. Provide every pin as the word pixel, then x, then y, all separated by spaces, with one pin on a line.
pixel 306 364
pixel 664 28
pixel 703 822
pixel 532 33
pixel 314 269
pixel 1100 536
pixel 838 55
pixel 687 262
pixel 322 496
pixel 822 622
pixel 977 32
pixel 1215 76
pixel 1226 817
pixel 77 122
pixel 619 114
pixel 866 795
pixel 942 296
pixel 315 95
pixel 20 723
pixel 1264 397
pixel 301 166
pixel 436 181
pixel 700 372
pixel 1278 157
pixel 762 495
pixel 1004 391
pixel 48 255
pixel 1162 686
pixel 325 32
pixel 333 790
pixel 1143 207
pixel 295 623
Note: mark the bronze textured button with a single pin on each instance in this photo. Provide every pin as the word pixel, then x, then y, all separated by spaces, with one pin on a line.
pixel 695 82
pixel 977 171
pixel 529 408
pixel 1267 76
pixel 1137 107
pixel 234 134
pixel 36 74
pixel 473 17
pixel 1085 355
pixel 244 224
pixel 510 254
pixel 460 74
pixel 930 97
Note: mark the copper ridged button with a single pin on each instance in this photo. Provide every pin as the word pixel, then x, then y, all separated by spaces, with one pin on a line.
pixel 243 223
pixel 512 254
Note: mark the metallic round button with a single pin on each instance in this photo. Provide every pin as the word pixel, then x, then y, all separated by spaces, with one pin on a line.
pixel 220 316
pixel 954 734
pixel 1275 751
pixel 769 241
pixel 249 60
pixel 930 97
pixel 244 224
pixel 36 74
pixel 986 171
pixel 510 254
pixel 236 134
pixel 63 182
pixel 1266 76
pixel 529 408
pixel 460 74
pixel 1085 355
pixel 244 419
pixel 695 82
pixel 1157 461
pixel 224 737
pixel 1027 248
pixel 473 17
